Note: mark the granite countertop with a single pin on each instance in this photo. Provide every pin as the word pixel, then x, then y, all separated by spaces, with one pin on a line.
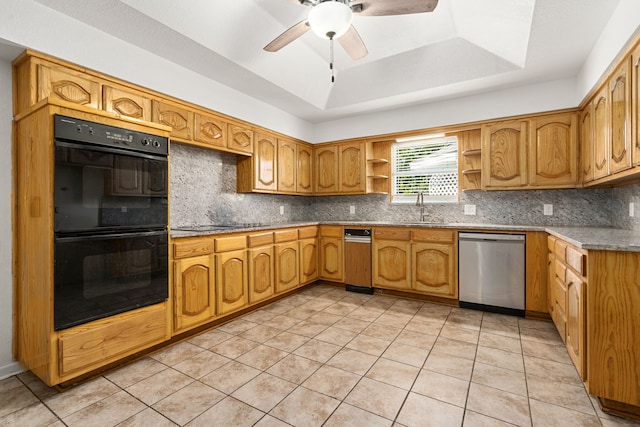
pixel 590 238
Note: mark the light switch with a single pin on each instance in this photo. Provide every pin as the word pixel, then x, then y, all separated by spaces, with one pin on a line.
pixel 548 209
pixel 469 209
pixel 281 210
pixel 632 209
pixel 352 210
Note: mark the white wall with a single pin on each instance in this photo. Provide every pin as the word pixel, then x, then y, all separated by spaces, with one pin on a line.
pixel 7 366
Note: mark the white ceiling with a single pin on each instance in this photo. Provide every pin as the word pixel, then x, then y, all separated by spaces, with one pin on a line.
pixel 463 47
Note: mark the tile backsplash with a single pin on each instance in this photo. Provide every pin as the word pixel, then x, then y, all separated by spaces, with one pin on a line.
pixel 203 191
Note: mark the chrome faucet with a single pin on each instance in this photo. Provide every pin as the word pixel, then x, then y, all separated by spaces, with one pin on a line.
pixel 420 202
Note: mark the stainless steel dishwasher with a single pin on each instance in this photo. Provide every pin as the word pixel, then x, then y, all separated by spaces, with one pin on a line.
pixel 491 272
pixel 357 260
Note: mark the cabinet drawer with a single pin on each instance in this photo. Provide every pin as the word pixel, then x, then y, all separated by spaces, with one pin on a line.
pixel 560 269
pixel 559 294
pixel 560 249
pixel 308 232
pixel 225 244
pixel 262 239
pixel 98 344
pixel 576 260
pixel 192 247
pixel 285 235
pixel 431 235
pixel 331 231
pixel 551 243
pixel 392 234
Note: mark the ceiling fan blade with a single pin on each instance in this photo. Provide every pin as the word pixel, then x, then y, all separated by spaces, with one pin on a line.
pixel 288 36
pixel 393 7
pixel 353 44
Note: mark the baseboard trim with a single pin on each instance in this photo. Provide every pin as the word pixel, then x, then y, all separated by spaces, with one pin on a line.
pixel 10 369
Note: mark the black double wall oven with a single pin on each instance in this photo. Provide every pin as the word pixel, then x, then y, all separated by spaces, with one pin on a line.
pixel 111 216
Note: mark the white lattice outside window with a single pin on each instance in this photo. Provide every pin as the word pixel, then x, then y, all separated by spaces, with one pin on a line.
pixel 428 165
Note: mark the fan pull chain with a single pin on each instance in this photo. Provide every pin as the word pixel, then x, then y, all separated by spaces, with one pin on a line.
pixel 333 77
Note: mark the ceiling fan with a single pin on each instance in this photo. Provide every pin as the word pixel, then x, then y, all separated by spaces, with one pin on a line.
pixel 331 19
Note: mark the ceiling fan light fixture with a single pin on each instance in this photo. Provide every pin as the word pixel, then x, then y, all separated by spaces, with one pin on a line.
pixel 330 19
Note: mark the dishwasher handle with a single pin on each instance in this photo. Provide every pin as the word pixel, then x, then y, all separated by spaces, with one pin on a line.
pixel 490 237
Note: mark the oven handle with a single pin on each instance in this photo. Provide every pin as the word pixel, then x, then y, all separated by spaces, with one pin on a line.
pixel 109 150
pixel 93 235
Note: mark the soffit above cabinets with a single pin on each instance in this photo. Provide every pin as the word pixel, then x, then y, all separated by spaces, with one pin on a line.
pixel 463 47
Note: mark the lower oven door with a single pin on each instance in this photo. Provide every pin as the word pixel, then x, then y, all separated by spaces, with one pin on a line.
pixel 101 275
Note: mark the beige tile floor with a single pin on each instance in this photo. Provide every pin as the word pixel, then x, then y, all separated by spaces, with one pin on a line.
pixel 326 357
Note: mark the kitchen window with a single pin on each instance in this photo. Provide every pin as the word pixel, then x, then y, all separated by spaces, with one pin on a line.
pixel 428 164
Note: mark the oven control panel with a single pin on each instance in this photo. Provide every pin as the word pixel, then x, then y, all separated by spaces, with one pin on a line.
pixel 77 130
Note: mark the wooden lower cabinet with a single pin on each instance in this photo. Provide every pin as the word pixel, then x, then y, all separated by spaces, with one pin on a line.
pixel 391 263
pixel 261 273
pixel 308 260
pixel 193 293
pixel 575 326
pixel 331 253
pixel 433 269
pixel 287 266
pixel 231 281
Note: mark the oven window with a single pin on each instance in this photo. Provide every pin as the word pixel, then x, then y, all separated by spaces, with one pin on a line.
pixel 99 190
pixel 99 276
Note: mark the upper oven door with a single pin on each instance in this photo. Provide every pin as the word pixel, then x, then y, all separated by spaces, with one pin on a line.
pixel 105 189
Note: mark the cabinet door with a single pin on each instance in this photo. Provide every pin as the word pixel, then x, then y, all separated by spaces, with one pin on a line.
pixel 635 99
pixel 331 258
pixel 304 158
pixel 308 260
pixel 287 266
pixel 179 119
pixel 210 130
pixel 231 281
pixel 126 103
pixel 433 269
pixel 326 169
pixel 620 95
pixel 261 273
pixel 127 178
pixel 575 327
pixel 287 179
pixel 391 264
pixel 264 163
pixel 504 155
pixel 240 139
pixel 67 85
pixel 553 151
pixel 351 164
pixel 194 284
pixel 601 134
pixel 586 140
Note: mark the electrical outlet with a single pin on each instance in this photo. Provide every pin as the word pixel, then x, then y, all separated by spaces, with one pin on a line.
pixel 352 210
pixel 632 209
pixel 548 209
pixel 469 209
pixel 281 210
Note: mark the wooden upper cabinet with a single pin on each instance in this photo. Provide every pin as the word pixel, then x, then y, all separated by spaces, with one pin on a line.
pixel 620 121
pixel 586 140
pixel 601 134
pixel 553 151
pixel 504 155
pixel 635 109
pixel 127 103
pixel 178 118
pixel 287 166
pixel 210 130
pixel 265 163
pixel 304 159
pixel 240 139
pixel 67 85
pixel 351 164
pixel 326 169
